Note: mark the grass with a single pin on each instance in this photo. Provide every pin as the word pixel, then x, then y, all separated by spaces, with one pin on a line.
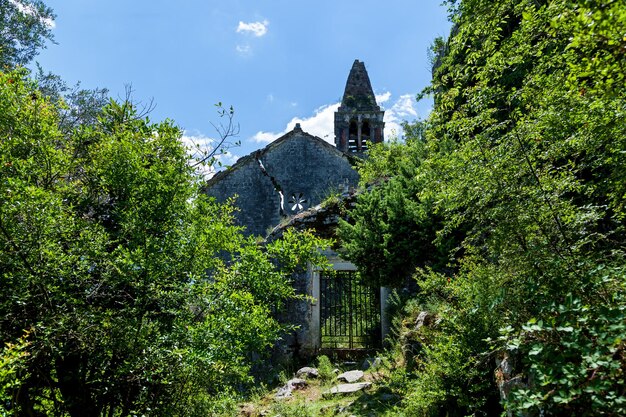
pixel 378 400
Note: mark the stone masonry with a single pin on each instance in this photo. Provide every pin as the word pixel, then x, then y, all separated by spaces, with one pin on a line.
pixel 291 174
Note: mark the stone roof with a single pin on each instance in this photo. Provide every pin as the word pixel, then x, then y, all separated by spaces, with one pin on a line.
pixel 358 94
pixel 258 154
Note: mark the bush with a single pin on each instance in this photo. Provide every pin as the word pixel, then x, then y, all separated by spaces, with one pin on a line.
pixel 325 368
pixel 140 293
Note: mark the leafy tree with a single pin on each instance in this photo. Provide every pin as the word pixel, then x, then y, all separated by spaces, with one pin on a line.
pixel 12 367
pixel 389 220
pixel 522 164
pixel 138 294
pixel 25 26
pixel 77 106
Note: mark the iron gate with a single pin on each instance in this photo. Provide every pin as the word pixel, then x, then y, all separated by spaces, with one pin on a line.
pixel 349 312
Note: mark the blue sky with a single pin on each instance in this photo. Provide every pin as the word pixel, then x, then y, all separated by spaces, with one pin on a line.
pixel 277 62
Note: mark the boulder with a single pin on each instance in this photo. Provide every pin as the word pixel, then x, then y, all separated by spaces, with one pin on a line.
pixel 423 319
pixel 371 363
pixel 348 388
pixel 283 392
pixel 307 372
pixel 506 380
pixel 292 384
pixel 350 376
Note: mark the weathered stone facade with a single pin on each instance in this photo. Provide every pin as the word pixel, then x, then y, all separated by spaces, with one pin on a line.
pixel 291 174
pixel 299 170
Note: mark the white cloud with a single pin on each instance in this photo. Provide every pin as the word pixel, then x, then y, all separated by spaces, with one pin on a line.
pixel 383 98
pixel 257 29
pixel 266 137
pixel 199 140
pixel 321 124
pixel 30 10
pixel 244 49
pixel 404 106
pixel 403 109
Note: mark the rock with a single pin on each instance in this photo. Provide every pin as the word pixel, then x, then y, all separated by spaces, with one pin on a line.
pixel 307 372
pixel 350 376
pixel 292 384
pixel 505 378
pixel 348 388
pixel 283 392
pixel 297 383
pixel 423 319
pixel 371 363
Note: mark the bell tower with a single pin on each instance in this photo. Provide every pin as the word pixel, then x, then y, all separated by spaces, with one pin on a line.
pixel 358 120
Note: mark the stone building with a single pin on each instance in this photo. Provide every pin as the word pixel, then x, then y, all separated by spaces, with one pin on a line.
pixel 291 174
pixel 359 120
pixel 299 170
pixel 284 184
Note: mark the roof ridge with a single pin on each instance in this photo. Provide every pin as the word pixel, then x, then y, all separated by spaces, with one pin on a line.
pixel 258 153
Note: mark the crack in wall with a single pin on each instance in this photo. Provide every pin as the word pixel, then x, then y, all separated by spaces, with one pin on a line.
pixel 275 183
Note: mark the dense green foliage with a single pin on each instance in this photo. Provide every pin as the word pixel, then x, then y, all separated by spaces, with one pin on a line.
pixel 128 292
pixel 136 293
pixel 510 201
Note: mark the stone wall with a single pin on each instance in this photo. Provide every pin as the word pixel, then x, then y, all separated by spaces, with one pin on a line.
pixel 288 176
pixel 256 200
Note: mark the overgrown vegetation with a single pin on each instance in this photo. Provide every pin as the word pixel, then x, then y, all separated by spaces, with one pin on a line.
pixel 126 291
pixel 507 206
pixel 136 291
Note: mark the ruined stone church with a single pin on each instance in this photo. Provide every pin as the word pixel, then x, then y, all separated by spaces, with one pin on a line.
pixel 298 170
pixel 281 186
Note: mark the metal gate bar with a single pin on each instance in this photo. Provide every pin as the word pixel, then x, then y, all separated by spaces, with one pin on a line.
pixel 349 312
